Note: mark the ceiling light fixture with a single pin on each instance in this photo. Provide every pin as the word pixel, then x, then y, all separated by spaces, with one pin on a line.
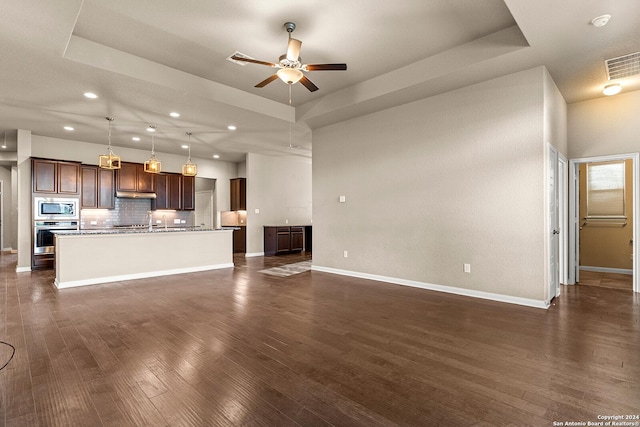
pixel 90 95
pixel 109 160
pixel 216 156
pixel 135 138
pixel 231 127
pixel 189 168
pixel 600 21
pixel 153 165
pixel 289 75
pixel 174 114
pixel 69 128
pixel 612 89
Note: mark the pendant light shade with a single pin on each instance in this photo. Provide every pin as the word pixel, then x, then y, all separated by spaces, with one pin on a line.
pixel 189 168
pixel 109 160
pixel 153 165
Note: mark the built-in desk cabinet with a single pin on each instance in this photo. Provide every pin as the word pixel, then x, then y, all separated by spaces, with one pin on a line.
pixel 285 239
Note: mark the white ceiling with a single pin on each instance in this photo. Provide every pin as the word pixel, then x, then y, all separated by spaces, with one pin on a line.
pixel 146 58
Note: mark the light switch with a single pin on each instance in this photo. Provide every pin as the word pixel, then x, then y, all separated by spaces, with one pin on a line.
pixel 257 211
pixel 343 199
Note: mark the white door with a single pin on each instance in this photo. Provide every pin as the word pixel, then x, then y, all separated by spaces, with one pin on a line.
pixel 553 231
pixel 563 216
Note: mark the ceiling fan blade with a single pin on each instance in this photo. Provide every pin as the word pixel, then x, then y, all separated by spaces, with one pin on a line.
pixel 293 49
pixel 254 61
pixel 267 81
pixel 308 84
pixel 322 67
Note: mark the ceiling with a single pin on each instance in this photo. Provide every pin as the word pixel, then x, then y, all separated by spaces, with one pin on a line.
pixel 146 58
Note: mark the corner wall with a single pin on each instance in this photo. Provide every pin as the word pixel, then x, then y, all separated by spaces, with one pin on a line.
pixel 452 179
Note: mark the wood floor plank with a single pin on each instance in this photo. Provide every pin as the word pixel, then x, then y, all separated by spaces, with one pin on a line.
pixel 236 347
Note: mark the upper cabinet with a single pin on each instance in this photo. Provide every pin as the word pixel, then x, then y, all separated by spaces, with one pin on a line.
pixel 51 176
pixel 188 193
pixel 174 191
pixel 98 188
pixel 132 177
pixel 238 191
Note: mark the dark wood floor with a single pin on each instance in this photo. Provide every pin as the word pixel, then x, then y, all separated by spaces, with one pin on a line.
pixel 236 347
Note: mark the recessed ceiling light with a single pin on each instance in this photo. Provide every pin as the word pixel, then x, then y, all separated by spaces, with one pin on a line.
pixel 216 156
pixel 185 146
pixel 612 89
pixel 135 138
pixel 69 128
pixel 600 21
pixel 174 114
pixel 3 146
pixel 231 127
pixel 151 128
pixel 90 95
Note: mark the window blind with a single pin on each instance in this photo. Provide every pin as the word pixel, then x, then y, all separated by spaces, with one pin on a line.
pixel 605 190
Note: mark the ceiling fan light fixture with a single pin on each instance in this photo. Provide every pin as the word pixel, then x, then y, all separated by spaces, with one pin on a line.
pixel 289 75
pixel 612 89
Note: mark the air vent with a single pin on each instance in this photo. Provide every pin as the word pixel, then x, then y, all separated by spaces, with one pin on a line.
pixel 240 54
pixel 623 66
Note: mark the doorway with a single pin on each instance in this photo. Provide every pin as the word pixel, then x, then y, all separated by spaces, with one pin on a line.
pixel 577 221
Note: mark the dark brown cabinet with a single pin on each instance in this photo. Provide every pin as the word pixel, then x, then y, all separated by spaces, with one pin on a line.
pixel 240 240
pixel 188 193
pixel 51 176
pixel 238 189
pixel 284 240
pixel 98 188
pixel 174 191
pixel 132 177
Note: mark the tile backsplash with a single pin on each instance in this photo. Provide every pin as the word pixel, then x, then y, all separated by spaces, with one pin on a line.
pixel 132 212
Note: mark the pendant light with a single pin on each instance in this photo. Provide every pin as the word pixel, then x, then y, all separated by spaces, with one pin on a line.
pixel 189 168
pixel 109 160
pixel 153 165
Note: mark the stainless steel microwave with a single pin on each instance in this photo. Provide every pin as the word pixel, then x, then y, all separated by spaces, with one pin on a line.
pixel 54 208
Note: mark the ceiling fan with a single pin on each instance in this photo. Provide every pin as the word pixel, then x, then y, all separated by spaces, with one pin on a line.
pixel 290 65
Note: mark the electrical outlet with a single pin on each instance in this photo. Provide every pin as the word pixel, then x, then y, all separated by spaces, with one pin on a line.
pixel 467 268
pixel 158 221
pixel 257 211
pixel 176 220
pixel 286 221
pixel 94 223
pixel 345 254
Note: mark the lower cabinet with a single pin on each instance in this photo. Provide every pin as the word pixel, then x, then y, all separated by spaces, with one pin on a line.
pixel 284 240
pixel 240 240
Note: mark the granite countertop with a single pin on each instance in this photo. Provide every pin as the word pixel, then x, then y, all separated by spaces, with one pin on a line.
pixel 132 230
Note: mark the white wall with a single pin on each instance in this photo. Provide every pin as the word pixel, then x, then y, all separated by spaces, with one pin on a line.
pixel 604 126
pixel 280 187
pixel 452 179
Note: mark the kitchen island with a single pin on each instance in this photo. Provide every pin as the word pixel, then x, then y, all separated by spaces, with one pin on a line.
pixel 101 256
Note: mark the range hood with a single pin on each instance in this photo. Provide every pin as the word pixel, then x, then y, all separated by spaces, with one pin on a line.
pixel 135 195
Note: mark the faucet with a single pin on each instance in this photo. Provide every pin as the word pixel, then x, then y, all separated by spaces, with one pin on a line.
pixel 150 213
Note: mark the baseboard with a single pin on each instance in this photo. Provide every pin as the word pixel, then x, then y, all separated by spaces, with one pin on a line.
pixel 439 288
pixel 253 254
pixel 23 269
pixel 145 275
pixel 627 271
